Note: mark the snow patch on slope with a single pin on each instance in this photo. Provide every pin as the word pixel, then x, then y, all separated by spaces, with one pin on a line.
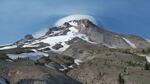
pixel 8 47
pixel 148 40
pixel 130 43
pixel 74 17
pixel 34 56
pixel 77 62
pixel 148 58
pixel 61 39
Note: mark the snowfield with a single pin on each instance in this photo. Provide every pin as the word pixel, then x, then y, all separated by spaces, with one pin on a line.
pixel 54 38
pixel 34 56
pixel 62 39
pixel 59 39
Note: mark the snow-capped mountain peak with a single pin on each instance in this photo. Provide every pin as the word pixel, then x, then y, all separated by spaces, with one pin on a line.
pixel 77 27
pixel 57 39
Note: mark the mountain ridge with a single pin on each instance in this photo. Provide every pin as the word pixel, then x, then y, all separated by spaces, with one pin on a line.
pixel 84 27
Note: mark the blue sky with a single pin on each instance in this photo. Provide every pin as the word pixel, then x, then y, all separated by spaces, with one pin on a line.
pixel 21 17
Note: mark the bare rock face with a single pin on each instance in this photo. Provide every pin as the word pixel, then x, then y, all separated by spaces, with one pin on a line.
pixel 66 25
pixel 50 31
pixel 28 38
pixel 57 46
pixel 101 35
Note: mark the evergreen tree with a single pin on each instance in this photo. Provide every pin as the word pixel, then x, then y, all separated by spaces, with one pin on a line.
pixel 146 66
pixel 120 79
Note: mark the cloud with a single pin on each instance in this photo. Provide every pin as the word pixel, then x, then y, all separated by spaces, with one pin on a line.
pixel 40 33
pixel 74 17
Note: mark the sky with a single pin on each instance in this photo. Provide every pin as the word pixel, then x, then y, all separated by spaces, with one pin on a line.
pixel 21 17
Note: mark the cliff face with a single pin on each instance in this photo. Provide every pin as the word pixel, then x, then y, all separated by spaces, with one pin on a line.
pixel 100 35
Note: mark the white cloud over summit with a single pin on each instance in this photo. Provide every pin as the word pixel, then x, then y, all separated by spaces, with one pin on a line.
pixel 74 17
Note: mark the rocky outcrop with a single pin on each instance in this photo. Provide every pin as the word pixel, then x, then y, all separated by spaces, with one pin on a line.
pixel 27 39
pixel 18 73
pixel 57 46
